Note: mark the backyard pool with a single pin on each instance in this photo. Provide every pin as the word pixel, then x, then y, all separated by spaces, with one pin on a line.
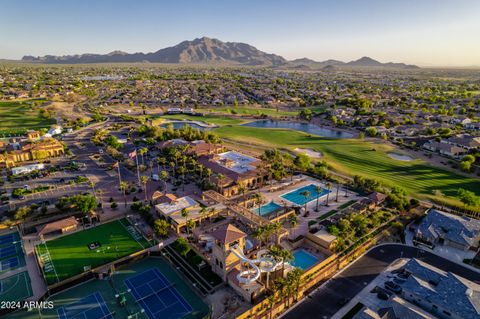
pixel 298 198
pixel 303 259
pixel 266 209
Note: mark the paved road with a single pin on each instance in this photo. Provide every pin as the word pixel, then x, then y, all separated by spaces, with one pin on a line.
pixel 326 301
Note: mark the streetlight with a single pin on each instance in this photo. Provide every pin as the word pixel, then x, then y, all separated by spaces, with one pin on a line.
pixel 135 315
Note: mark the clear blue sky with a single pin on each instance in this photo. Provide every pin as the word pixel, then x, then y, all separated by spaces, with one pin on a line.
pixel 425 32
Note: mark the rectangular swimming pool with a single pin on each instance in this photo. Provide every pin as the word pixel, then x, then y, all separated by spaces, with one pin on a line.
pixel 303 259
pixel 296 196
pixel 266 209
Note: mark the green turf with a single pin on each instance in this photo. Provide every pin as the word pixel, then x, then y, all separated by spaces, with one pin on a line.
pixel 210 119
pixel 70 254
pixel 18 116
pixel 16 287
pixel 356 157
pixel 255 111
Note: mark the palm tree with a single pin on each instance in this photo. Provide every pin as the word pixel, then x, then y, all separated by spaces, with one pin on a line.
pixel 163 177
pixel 221 178
pixel 190 226
pixel 328 186
pixel 305 194
pixel 318 190
pixel 242 189
pixel 296 280
pixel 257 198
pixel 143 151
pixel 144 180
pixel 185 214
pixel 123 188
pixel 293 223
pixel 209 174
pixel 203 210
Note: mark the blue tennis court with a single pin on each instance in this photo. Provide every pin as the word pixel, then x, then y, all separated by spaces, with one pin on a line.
pixel 8 251
pixel 8 239
pixel 89 307
pixel 9 263
pixel 157 295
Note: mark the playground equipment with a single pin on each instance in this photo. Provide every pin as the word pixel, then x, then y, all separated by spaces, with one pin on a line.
pixel 263 263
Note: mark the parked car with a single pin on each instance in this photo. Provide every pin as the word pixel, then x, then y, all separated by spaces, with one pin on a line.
pixel 382 295
pixel 390 285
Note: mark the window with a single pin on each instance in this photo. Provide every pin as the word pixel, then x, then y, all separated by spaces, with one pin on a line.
pixel 447 313
pixel 221 265
pixel 216 261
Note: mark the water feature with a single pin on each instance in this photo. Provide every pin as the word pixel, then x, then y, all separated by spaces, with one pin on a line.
pixel 400 157
pixel 300 126
pixel 296 196
pixel 303 259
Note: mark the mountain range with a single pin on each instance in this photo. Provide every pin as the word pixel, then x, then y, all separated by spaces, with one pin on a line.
pixel 211 51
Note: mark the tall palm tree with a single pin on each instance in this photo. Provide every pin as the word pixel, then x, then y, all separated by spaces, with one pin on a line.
pixel 221 178
pixel 328 186
pixel 143 151
pixel 318 190
pixel 293 223
pixel 144 179
pixel 242 189
pixel 203 211
pixel 163 177
pixel 123 188
pixel 296 276
pixel 305 194
pixel 185 214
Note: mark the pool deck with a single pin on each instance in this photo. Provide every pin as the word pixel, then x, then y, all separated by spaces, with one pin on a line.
pixel 301 181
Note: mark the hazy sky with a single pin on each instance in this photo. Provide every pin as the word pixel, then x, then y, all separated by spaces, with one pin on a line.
pixel 424 32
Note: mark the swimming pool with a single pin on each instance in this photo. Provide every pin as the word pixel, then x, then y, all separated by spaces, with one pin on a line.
pixel 303 259
pixel 266 209
pixel 297 197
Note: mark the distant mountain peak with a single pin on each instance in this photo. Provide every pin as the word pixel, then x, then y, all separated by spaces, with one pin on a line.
pixel 199 50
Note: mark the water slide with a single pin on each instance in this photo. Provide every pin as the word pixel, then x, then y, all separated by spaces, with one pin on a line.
pixel 263 263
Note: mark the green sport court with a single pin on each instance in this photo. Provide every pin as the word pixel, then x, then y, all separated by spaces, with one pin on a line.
pixel 16 287
pixel 73 254
pixel 100 298
pixel 11 252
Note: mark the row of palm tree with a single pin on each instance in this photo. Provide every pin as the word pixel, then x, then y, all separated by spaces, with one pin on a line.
pixel 285 288
pixel 264 233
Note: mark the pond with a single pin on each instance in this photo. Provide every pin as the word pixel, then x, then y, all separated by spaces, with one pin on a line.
pixel 300 126
pixel 400 157
pixel 180 124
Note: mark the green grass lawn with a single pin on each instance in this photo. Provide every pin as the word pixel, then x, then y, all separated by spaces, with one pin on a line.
pixel 70 254
pixel 356 157
pixel 18 116
pixel 254 111
pixel 210 119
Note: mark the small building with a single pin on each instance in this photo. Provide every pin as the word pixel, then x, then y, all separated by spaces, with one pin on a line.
pixel 170 207
pixel 27 169
pixel 324 239
pixel 61 226
pixel 33 135
pixel 443 228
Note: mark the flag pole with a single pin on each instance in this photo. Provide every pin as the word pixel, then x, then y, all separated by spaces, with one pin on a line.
pixel 138 171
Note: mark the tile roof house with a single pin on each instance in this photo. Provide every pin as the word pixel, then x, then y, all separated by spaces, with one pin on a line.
pixel 456 231
pixel 441 293
pixel 227 234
